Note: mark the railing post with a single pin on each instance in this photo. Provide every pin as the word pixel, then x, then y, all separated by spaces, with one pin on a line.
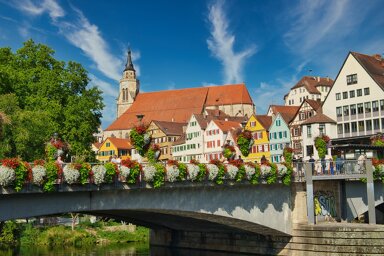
pixel 370 192
pixel 309 185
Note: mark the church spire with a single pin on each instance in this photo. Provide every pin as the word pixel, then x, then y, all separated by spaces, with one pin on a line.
pixel 129 64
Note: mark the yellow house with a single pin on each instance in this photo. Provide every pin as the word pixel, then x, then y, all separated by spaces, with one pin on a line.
pixel 114 146
pixel 259 125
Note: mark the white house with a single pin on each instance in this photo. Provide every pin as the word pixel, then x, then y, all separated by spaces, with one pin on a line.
pixel 215 137
pixel 356 100
pixel 313 127
pixel 313 88
pixel 190 145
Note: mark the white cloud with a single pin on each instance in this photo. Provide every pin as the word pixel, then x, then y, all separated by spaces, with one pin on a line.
pixel 107 88
pixel 36 8
pixel 88 38
pixel 221 44
pixel 314 25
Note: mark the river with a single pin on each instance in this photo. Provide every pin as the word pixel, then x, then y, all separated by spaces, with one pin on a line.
pixel 130 249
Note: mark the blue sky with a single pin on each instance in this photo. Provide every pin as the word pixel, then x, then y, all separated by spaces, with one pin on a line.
pixel 269 45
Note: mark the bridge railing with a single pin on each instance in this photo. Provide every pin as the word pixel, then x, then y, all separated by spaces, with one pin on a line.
pixel 52 176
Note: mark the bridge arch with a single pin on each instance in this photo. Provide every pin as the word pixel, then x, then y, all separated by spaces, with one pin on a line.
pixel 263 209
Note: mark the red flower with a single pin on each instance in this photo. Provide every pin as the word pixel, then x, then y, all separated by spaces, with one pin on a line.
pixel 39 162
pixel 194 161
pixel 172 162
pixel 236 162
pixel 11 162
pixel 141 128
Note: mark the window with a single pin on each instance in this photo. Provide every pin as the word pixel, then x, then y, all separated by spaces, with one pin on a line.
pixel 253 124
pixel 322 129
pixel 375 106
pixel 280 135
pixel 346 128
pixel 345 95
pixel 278 122
pixel 285 134
pixel 346 110
pixel 352 94
pixel 354 126
pixel 338 96
pixel 382 105
pixel 368 125
pixel 376 124
pixel 359 92
pixel 353 109
pixel 361 126
pixel 296 132
pixel 366 91
pixel 309 132
pixel 108 144
pixel 360 108
pixel 259 135
pixel 218 143
pixel 352 79
pixel 382 122
pixel 302 116
pixel 338 112
pixel 367 106
pixel 339 129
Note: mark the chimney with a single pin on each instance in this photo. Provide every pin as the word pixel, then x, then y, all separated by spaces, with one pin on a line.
pixel 173 120
pixel 377 57
pixel 318 79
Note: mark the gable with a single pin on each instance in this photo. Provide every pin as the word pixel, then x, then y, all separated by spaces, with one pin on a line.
pixel 351 66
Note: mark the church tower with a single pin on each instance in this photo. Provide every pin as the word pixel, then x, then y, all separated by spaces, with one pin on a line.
pixel 129 87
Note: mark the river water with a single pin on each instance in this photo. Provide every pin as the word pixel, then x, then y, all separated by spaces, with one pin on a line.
pixel 129 249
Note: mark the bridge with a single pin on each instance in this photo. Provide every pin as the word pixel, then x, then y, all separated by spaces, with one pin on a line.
pixel 263 209
pixel 185 210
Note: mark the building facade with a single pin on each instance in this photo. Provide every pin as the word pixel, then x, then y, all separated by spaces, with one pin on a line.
pixel 114 146
pixel 279 138
pixel 313 88
pixel 307 109
pixel 356 101
pixel 258 125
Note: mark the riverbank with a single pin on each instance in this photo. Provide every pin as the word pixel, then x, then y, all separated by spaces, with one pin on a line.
pixel 84 234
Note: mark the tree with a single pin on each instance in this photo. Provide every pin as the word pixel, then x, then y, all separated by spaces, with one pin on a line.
pixel 42 95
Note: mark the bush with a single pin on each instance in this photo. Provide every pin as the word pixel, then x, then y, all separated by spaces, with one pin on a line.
pixel 9 233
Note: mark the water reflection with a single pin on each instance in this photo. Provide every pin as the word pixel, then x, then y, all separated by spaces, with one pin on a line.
pixel 130 249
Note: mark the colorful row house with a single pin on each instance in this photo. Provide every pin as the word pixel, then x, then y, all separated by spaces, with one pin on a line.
pixel 114 147
pixel 258 125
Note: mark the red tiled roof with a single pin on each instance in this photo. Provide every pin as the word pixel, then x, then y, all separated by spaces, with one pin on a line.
pixel 226 126
pixel 170 128
pixel 288 110
pixel 120 143
pixel 179 105
pixel 310 83
pixel 374 65
pixel 97 144
pixel 319 118
pixel 315 104
pixel 264 120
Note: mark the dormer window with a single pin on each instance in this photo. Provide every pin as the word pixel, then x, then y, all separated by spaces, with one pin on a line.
pixel 352 79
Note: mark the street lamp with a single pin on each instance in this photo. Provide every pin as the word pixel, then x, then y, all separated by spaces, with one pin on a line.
pixel 140 117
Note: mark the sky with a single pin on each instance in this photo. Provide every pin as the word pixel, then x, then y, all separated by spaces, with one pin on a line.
pixel 268 45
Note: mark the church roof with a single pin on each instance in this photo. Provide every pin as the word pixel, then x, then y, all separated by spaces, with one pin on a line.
pixel 374 65
pixel 310 83
pixel 179 105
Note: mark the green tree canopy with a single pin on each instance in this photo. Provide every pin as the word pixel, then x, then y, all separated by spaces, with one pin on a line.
pixel 41 95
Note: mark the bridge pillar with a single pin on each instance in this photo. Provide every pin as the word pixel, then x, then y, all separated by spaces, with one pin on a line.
pixel 370 193
pixel 308 168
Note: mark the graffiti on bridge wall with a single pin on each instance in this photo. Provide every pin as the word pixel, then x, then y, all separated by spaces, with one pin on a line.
pixel 325 204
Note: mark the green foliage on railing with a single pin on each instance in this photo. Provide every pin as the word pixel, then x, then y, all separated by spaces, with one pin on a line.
pixel 111 172
pixel 240 173
pixel 84 170
pixel 53 171
pixel 182 171
pixel 158 179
